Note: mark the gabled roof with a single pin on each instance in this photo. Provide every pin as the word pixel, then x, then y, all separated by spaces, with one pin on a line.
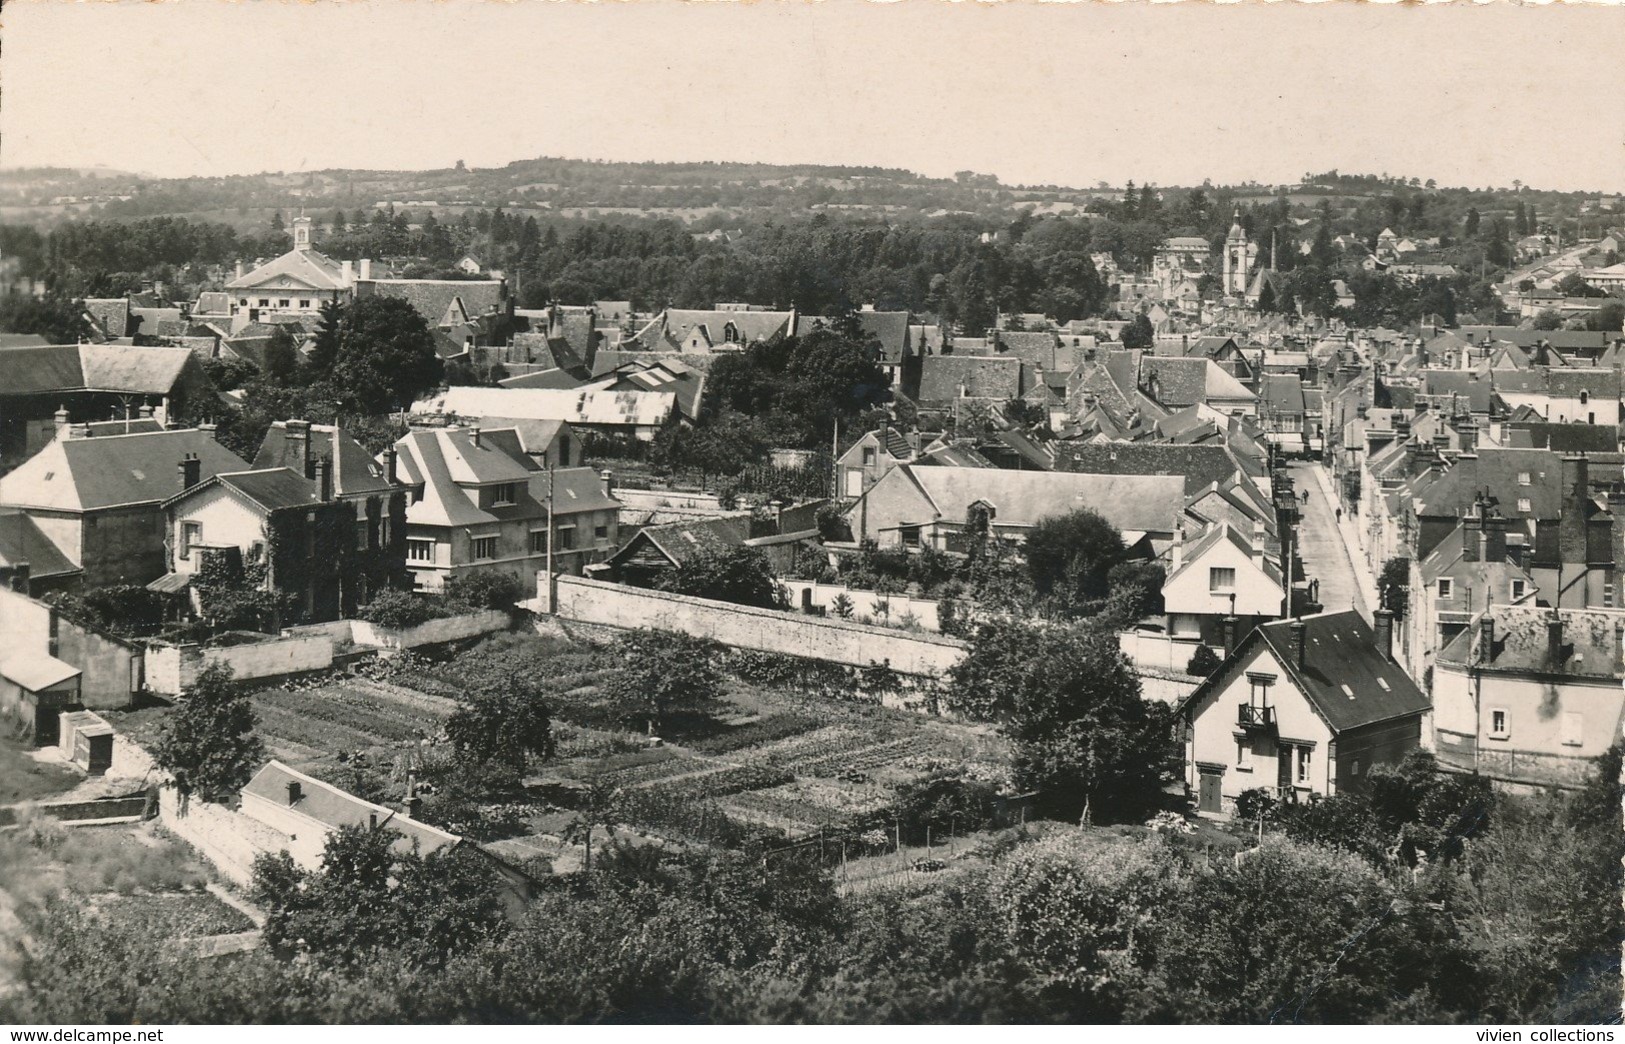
pixel 334 808
pixel 891 329
pixel 435 299
pixel 21 541
pixel 354 472
pixel 942 377
pixel 118 368
pixel 295 268
pixel 1020 498
pixel 1223 532
pixel 1346 680
pixel 554 378
pixel 678 542
pixel 1181 382
pixel 670 329
pixel 272 488
pixel 1198 466
pixel 87 474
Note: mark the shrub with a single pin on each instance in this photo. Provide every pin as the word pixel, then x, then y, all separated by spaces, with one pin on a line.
pixel 842 606
pixel 392 607
pixel 484 590
pixel 1254 803
pixel 1203 662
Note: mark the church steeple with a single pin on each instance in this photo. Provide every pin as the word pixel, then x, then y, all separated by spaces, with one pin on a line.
pixel 301 232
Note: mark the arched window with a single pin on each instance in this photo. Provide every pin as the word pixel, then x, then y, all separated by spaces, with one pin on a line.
pixel 730 333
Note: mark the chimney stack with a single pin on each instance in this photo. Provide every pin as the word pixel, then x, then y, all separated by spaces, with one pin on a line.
pixel 324 478
pixel 366 268
pixel 1554 639
pixel 191 471
pixel 1495 539
pixel 347 273
pixel 295 792
pixel 19 580
pixel 297 432
pixel 474 433
pixel 1229 635
pixel 64 429
pixel 1471 528
pixel 609 481
pixel 392 457
pixel 239 269
pixel 146 411
pixel 1258 544
pixel 1300 652
pixel 1383 629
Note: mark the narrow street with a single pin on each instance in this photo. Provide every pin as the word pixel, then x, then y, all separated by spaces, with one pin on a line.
pixel 1329 550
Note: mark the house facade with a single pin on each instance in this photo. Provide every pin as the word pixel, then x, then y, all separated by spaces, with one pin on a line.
pixel 480 503
pixel 1531 696
pixel 1300 708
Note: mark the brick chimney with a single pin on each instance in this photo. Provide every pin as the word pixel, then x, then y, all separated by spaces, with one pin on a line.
pixel 1299 645
pixel 19 579
pixel 297 432
pixel 190 470
pixel 366 268
pixel 1555 653
pixel 1258 544
pixel 474 433
pixel 1495 539
pixel 324 478
pixel 1471 529
pixel 64 429
pixel 1383 633
pixel 392 458
pixel 609 481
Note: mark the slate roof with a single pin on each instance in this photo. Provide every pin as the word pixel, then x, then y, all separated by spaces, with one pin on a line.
pixel 86 474
pixel 441 458
pixel 553 377
pixel 671 328
pixel 1036 348
pixel 1198 466
pixel 1130 502
pixel 1194 551
pixel 431 298
pixel 356 472
pixel 891 329
pixel 1344 678
pixel 679 542
pixel 1175 382
pixel 16 340
pixel 21 541
pixel 307 267
pixel 981 377
pixel 1522 645
pixel 272 489
pixel 111 315
pixel 1494 471
pixel 1563 438
pixel 1459 386
pixel 1283 392
pixel 91 367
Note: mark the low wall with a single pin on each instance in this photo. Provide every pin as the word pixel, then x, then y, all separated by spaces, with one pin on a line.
pixel 450 629
pixel 702 504
pixel 171 669
pixel 1166 686
pixel 223 836
pixel 865 603
pixel 337 630
pixel 766 630
pixel 1160 652
pixel 77 811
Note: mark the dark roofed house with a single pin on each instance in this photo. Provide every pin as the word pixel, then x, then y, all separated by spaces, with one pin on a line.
pixel 945 378
pixel 28 558
pixel 1303 708
pixel 1200 466
pixel 100 499
pixel 711 330
pixel 442 303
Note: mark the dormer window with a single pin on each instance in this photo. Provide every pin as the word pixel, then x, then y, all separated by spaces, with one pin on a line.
pixel 505 494
pixel 1523 478
pixel 730 333
pixel 1584 397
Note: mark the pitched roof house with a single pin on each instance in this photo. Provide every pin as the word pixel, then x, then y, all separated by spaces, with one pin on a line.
pixel 1300 708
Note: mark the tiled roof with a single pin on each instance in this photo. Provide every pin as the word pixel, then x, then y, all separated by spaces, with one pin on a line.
pixel 1283 392
pixel 296 268
pixel 439 459
pixel 433 298
pixel 1522 643
pixel 111 315
pixel 1036 348
pixel 1130 502
pixel 891 329
pixel 671 328
pixel 271 488
pixel 85 474
pixel 681 541
pixel 356 471
pixel 21 541
pixel 91 367
pixel 942 377
pixel 1199 466
pixel 1563 438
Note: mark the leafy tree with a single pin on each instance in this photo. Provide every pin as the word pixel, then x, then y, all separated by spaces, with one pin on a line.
pixel 1203 662
pixel 1394 585
pixel 1084 735
pixel 281 356
pixel 1138 333
pixel 503 723
pixel 484 590
pixel 1069 556
pixel 662 672
pixel 1574 285
pixel 59 320
pixel 735 574
pixel 386 356
pixel 324 351
pixel 600 807
pixel 210 736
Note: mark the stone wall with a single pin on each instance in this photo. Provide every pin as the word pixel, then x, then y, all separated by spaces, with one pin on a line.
pixel 450 629
pixel 223 836
pixel 766 630
pixel 171 669
pixel 864 603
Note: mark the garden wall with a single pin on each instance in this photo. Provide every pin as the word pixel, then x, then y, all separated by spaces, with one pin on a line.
pixel 434 632
pixel 223 836
pixel 1166 686
pixel 766 630
pixel 864 603
pixel 1160 651
pixel 171 669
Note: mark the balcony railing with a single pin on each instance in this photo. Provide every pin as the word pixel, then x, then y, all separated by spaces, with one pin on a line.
pixel 1251 716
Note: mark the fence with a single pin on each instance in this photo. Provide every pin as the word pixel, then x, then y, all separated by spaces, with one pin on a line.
pixel 884 609
pixel 765 630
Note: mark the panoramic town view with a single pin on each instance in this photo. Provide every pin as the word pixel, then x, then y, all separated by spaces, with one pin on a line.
pixel 726 588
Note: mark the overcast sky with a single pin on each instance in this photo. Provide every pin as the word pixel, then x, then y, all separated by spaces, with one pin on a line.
pixel 1070 94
